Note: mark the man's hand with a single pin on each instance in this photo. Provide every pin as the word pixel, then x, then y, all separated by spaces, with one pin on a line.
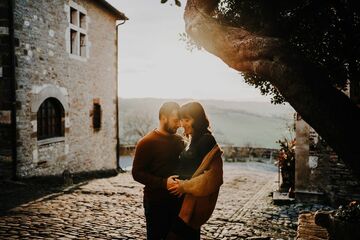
pixel 171 181
pixel 174 189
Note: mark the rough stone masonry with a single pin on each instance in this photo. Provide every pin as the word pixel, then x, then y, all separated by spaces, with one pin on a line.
pixel 65 51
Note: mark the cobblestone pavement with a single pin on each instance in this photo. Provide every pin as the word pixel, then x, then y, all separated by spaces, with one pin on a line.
pixel 111 208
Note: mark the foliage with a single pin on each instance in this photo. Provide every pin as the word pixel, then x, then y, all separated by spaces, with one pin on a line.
pixel 325 33
pixel 177 2
pixel 286 157
pixel 349 213
pixel 135 126
pixel 265 87
pixel 191 45
pixel 308 50
pixel 286 162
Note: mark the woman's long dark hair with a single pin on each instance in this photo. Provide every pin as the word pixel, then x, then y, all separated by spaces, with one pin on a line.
pixel 201 123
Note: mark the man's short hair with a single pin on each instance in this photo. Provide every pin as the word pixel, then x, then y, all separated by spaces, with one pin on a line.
pixel 167 108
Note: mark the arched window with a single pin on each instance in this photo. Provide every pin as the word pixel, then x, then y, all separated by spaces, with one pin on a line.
pixel 50 119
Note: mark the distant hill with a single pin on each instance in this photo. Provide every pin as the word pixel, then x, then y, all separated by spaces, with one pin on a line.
pixel 257 124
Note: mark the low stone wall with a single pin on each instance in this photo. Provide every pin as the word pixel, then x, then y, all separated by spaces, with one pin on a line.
pixel 231 153
pixel 243 154
pixel 127 150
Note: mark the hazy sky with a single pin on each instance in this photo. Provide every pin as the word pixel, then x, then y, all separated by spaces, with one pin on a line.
pixel 155 63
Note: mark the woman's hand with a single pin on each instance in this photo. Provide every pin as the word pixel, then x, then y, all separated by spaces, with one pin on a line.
pixel 175 188
pixel 171 181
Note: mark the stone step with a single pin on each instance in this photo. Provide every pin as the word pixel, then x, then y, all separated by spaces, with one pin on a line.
pixel 280 198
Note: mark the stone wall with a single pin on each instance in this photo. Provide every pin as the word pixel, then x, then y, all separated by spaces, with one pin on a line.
pixel 320 174
pixel 5 92
pixel 343 186
pixel 46 68
pixel 310 167
pixel 242 154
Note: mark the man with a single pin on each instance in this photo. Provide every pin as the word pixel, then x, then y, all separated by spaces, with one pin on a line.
pixel 155 161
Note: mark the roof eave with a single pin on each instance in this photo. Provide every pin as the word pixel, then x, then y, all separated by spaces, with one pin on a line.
pixel 118 14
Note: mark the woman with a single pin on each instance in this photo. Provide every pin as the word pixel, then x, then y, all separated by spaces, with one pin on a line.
pixel 200 174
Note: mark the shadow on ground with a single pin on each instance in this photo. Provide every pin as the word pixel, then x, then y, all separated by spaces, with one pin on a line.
pixel 16 193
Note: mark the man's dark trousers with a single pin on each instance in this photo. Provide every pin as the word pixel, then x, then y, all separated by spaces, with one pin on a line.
pixel 160 217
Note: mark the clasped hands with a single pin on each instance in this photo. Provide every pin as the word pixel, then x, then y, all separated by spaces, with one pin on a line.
pixel 172 185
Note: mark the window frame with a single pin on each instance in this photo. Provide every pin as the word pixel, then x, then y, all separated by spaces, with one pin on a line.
pixel 78 26
pixel 50 120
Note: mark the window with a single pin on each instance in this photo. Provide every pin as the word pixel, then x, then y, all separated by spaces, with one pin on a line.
pixel 82 45
pixel 82 20
pixel 96 116
pixel 73 16
pixel 78 31
pixel 50 119
pixel 73 46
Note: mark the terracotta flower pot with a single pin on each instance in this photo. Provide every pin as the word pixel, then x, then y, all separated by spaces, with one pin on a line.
pixel 287 178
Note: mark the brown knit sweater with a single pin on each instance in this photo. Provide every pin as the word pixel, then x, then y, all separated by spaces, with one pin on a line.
pixel 202 190
pixel 156 158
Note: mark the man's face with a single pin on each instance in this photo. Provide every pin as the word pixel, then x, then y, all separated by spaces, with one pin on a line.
pixel 172 122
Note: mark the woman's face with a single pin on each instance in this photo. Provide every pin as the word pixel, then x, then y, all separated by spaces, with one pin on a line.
pixel 187 123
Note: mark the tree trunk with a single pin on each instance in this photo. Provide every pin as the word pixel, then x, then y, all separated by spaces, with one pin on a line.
pixel 307 89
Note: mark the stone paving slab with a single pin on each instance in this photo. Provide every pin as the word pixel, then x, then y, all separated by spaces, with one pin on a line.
pixel 111 208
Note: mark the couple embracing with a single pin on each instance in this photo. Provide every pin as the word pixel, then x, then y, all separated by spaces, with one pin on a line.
pixel 182 174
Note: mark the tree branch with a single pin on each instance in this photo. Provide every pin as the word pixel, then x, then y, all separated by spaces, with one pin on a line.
pixel 324 107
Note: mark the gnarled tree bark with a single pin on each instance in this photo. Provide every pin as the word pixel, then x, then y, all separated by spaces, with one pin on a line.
pixel 328 110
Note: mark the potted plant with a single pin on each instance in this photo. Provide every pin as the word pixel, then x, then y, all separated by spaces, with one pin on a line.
pixel 286 164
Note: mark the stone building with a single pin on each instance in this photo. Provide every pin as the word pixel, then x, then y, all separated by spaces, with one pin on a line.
pixel 320 175
pixel 58 86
